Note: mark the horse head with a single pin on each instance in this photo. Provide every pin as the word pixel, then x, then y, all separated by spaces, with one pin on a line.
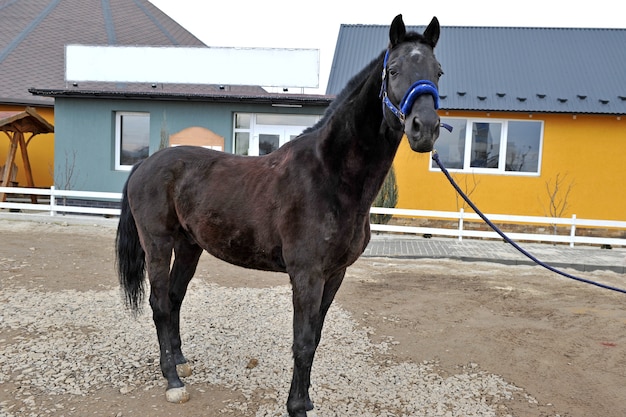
pixel 409 87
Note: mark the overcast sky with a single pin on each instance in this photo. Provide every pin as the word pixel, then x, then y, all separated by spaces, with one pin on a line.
pixel 315 24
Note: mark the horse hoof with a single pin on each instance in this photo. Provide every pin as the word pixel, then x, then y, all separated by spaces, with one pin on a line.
pixel 184 369
pixel 177 395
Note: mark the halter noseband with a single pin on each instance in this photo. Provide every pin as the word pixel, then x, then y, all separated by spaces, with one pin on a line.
pixel 417 89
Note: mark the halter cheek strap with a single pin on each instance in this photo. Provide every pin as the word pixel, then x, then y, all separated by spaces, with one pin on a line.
pixel 417 89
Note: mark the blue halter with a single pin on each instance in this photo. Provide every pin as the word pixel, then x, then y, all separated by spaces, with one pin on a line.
pixel 417 89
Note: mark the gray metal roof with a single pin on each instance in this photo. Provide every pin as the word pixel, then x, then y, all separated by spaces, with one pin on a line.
pixel 561 70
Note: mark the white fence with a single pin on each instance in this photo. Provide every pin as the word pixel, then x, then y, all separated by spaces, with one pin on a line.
pixel 461 216
pixel 57 203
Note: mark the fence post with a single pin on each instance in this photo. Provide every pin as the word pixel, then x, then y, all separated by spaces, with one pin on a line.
pixel 52 201
pixel 461 211
pixel 572 233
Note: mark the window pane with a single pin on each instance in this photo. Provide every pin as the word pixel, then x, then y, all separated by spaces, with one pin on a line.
pixel 134 138
pixel 485 151
pixel 242 143
pixel 268 143
pixel 242 120
pixel 522 146
pixel 451 145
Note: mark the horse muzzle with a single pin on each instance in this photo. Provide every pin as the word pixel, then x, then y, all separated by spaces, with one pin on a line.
pixel 422 130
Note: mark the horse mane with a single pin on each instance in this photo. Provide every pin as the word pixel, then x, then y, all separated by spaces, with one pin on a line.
pixel 356 82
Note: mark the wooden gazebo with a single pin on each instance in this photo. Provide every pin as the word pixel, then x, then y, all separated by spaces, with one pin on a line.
pixel 17 125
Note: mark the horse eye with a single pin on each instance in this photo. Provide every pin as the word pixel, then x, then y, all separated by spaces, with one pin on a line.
pixel 393 72
pixel 440 73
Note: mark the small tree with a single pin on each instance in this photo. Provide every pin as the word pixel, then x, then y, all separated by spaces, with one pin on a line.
pixel 467 189
pixel 165 134
pixel 66 175
pixel 387 197
pixel 558 194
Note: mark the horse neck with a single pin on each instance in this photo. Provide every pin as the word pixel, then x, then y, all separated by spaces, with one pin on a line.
pixel 360 144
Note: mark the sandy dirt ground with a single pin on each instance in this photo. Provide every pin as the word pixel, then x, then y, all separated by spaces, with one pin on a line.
pixel 561 342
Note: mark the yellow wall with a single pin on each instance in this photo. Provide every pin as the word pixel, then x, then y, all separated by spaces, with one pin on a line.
pixel 40 150
pixel 589 151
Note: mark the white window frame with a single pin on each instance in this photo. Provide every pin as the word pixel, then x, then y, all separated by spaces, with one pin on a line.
pixel 118 137
pixel 501 170
pixel 284 131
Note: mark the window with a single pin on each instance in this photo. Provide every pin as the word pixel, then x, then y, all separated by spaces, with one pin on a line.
pixel 260 134
pixel 485 145
pixel 491 146
pixel 132 138
pixel 523 146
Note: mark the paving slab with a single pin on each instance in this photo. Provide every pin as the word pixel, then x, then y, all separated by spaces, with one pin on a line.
pixel 582 258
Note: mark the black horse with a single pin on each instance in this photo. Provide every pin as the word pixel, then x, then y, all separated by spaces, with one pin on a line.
pixel 303 209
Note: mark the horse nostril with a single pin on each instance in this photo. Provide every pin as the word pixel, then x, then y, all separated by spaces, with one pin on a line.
pixel 417 124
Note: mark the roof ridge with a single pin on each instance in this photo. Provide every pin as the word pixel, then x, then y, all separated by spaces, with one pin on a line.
pixel 108 22
pixel 539 28
pixel 28 29
pixel 157 23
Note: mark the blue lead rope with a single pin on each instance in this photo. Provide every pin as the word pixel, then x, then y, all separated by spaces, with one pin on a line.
pixel 509 240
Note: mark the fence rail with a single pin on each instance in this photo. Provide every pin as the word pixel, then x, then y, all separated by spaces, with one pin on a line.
pixel 461 230
pixel 57 203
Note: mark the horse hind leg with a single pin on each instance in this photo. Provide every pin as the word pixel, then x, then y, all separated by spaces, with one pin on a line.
pixel 158 257
pixel 186 257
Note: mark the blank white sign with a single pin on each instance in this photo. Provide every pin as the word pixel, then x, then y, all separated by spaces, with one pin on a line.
pixel 271 67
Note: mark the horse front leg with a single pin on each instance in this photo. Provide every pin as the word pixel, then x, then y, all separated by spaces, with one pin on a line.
pixel 158 261
pixel 307 297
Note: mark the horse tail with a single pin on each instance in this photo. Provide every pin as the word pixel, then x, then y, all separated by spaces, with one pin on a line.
pixel 130 256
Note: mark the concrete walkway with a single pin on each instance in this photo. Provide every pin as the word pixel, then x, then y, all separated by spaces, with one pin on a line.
pixel 583 258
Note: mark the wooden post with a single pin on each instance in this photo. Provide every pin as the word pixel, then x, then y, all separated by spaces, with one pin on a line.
pixel 8 165
pixel 27 169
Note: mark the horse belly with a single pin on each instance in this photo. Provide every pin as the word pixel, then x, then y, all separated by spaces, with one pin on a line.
pixel 242 248
pixel 271 261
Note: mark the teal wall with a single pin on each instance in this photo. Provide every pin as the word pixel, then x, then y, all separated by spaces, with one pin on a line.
pixel 85 133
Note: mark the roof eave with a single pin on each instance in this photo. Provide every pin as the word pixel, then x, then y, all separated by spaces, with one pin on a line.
pixel 35 101
pixel 534 110
pixel 278 99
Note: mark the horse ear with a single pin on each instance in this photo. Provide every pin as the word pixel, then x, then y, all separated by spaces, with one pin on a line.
pixel 431 34
pixel 397 31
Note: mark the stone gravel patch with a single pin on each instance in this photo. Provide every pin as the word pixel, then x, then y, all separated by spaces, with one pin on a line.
pixel 72 343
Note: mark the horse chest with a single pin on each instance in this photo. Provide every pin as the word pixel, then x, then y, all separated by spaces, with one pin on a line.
pixel 344 238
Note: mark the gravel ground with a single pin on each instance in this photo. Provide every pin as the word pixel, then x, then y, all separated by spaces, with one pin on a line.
pixel 404 338
pixel 76 343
